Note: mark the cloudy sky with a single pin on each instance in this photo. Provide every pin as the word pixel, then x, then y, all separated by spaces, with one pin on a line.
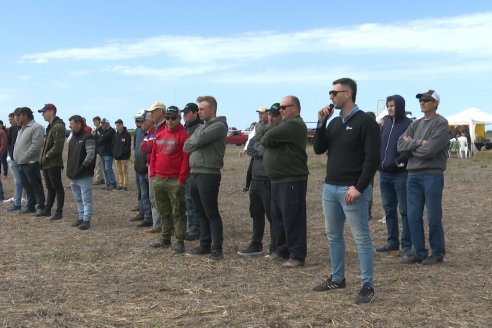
pixel 112 58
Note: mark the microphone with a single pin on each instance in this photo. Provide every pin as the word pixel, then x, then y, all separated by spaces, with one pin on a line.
pixel 325 118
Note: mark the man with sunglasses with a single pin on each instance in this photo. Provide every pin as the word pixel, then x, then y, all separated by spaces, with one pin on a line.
pixel 168 171
pixel 285 163
pixel 426 143
pixel 352 142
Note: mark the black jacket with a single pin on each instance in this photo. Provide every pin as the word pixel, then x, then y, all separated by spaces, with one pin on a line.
pixel 191 127
pixel 81 155
pixel 104 141
pixel 122 145
pixel 11 138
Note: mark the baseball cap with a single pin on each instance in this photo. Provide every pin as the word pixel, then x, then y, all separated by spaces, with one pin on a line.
pixel 104 120
pixel 190 107
pixel 156 105
pixel 22 110
pixel 47 107
pixel 172 110
pixel 140 115
pixel 429 93
pixel 262 109
pixel 275 109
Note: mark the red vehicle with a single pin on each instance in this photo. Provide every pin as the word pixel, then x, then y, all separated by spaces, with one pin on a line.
pixel 236 137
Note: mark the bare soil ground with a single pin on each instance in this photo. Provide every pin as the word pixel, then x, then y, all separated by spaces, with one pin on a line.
pixel 53 275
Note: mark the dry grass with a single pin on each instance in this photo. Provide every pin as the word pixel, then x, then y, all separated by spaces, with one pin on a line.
pixel 57 276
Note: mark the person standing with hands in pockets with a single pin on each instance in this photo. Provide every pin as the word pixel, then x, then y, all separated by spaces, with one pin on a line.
pixel 352 143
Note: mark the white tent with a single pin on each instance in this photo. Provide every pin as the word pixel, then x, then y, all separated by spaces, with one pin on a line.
pixel 471 117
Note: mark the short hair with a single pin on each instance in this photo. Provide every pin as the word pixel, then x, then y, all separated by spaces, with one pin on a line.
pixel 118 121
pixel 24 110
pixel 296 102
pixel 77 119
pixel 11 114
pixel 371 115
pixel 96 118
pixel 349 83
pixel 209 100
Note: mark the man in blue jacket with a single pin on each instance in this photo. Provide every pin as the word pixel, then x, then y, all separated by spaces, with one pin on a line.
pixel 393 176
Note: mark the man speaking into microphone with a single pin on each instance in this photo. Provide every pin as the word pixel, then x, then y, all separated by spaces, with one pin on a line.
pixel 352 143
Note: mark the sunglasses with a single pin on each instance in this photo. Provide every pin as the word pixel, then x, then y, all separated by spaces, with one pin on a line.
pixel 425 100
pixel 284 107
pixel 171 118
pixel 335 92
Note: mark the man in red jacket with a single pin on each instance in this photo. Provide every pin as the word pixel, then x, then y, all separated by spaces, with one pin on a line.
pixel 169 169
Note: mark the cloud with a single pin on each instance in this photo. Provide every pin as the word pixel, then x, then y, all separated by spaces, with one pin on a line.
pixel 461 35
pixel 166 73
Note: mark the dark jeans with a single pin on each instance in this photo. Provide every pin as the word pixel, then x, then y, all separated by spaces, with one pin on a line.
pixel 204 190
pixel 191 213
pixel 54 186
pixel 259 207
pixel 4 164
pixel 31 182
pixel 289 219
pixel 249 174
pixel 393 196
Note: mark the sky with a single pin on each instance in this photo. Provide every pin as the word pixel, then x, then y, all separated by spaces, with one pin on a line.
pixel 113 58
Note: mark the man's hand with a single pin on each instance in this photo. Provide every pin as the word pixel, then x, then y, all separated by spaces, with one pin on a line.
pixel 351 195
pixel 325 111
pixel 423 142
pixel 242 152
pixel 407 138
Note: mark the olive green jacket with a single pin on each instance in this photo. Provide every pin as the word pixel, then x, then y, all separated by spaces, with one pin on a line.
pixel 53 145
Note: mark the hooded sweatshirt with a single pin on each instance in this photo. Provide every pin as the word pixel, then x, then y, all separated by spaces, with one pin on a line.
pixel 207 146
pixel 391 160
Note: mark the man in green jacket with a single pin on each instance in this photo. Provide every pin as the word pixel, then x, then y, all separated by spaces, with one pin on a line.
pixel 52 161
pixel 285 163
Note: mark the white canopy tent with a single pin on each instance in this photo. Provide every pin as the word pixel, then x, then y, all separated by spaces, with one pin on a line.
pixel 471 117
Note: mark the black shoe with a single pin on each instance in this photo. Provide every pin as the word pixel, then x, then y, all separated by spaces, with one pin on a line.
pixel 41 212
pixel 164 243
pixel 251 250
pixel 77 223
pixel 138 217
pixel 200 250
pixel 387 248
pixel 179 248
pixel 431 260
pixel 117 189
pixel 245 189
pixel 13 208
pixel 366 295
pixel 56 217
pixel 135 209
pixel 123 189
pixel 191 237
pixel 144 224
pixel 410 260
pixel 28 210
pixel 329 284
pixel 216 256
pixel 85 225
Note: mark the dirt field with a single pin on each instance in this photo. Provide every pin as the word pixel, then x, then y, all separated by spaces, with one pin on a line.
pixel 53 275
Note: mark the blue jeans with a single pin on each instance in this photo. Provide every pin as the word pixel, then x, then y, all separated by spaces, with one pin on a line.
pixel 82 192
pixel 336 211
pixel 15 169
pixel 108 170
pixel 426 189
pixel 144 202
pixel 393 195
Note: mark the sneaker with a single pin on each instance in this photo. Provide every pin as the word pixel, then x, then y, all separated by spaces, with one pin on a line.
pixel 13 208
pixel 431 260
pixel 123 189
pixel 77 223
pixel 85 225
pixel 135 209
pixel 274 257
pixel 410 259
pixel 164 243
pixel 251 250
pixel 28 210
pixel 245 189
pixel 138 217
pixel 144 224
pixel 200 250
pixel 179 248
pixel 407 251
pixel 152 230
pixel 329 284
pixel 116 188
pixel 46 212
pixel 387 248
pixel 40 212
pixel 216 255
pixel 191 237
pixel 291 263
pixel 56 217
pixel 100 182
pixel 366 294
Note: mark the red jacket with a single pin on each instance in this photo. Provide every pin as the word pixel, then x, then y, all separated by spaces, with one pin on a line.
pixel 148 141
pixel 168 159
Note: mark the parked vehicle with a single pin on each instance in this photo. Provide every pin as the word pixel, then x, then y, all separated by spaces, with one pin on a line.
pixel 236 137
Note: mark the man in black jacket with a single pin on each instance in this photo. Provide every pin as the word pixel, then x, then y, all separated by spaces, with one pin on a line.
pixel 104 141
pixel 121 149
pixel 80 170
pixel 14 167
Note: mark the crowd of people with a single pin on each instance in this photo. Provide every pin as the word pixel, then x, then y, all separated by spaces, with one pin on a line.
pixel 178 173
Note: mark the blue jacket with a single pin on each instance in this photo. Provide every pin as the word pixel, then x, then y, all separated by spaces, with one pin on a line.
pixel 391 160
